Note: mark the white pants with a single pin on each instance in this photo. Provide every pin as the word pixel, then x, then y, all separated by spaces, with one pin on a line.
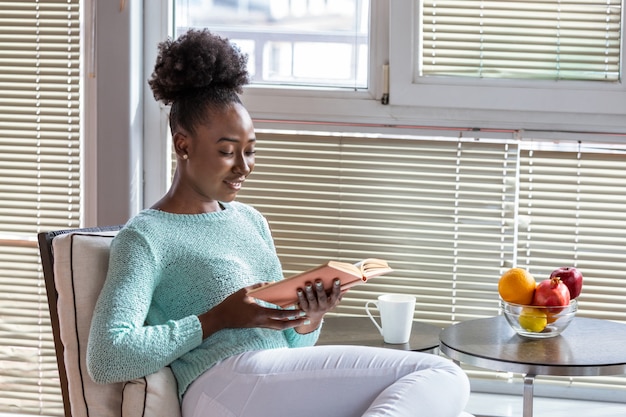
pixel 329 381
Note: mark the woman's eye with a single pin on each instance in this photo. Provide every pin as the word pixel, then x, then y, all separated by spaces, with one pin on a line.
pixel 231 153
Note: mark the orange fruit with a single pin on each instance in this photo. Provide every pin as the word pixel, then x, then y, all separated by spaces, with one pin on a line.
pixel 517 286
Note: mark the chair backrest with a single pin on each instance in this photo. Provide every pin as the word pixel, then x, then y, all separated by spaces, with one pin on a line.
pixel 75 263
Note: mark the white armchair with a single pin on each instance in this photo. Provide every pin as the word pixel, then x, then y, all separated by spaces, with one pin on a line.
pixel 75 263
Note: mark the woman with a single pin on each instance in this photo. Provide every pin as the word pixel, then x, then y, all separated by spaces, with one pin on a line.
pixel 179 273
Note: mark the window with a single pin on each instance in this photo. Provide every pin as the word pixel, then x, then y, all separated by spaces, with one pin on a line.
pixel 290 42
pixel 39 187
pixel 541 40
pixel 466 93
pixel 533 65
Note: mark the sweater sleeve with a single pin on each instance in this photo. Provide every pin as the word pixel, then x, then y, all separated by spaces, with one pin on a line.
pixel 121 347
pixel 295 339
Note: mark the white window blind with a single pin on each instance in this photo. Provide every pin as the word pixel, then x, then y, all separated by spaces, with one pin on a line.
pixel 349 198
pixel 571 200
pixel 445 214
pixel 550 39
pixel 39 187
pixel 572 213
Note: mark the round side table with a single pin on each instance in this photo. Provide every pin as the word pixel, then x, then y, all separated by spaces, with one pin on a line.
pixel 588 347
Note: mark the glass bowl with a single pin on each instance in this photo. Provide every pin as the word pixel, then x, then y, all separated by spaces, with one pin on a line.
pixel 537 321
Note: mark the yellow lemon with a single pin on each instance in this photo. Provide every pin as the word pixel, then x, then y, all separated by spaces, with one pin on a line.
pixel 517 286
pixel 533 319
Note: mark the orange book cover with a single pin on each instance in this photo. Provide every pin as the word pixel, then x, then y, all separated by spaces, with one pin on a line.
pixel 283 293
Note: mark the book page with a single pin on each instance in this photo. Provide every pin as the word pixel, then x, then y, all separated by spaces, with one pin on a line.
pixel 372 267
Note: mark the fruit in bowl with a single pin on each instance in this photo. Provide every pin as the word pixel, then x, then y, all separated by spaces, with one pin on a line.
pixel 517 286
pixel 542 309
pixel 571 277
pixel 538 321
pixel 551 293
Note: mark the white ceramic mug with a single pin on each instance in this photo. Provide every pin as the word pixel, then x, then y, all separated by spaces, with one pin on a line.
pixel 396 316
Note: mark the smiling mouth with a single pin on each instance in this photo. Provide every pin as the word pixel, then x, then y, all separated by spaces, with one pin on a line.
pixel 235 185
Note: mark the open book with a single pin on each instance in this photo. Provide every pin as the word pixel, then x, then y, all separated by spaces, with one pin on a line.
pixel 283 292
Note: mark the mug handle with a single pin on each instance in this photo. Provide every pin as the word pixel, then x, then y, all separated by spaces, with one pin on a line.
pixel 367 310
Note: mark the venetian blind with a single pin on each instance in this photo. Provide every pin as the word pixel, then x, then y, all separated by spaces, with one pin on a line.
pixel 449 215
pixel 572 213
pixel 549 39
pixel 39 187
pixel 440 211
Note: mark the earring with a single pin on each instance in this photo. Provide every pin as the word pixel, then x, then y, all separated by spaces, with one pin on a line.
pixel 185 157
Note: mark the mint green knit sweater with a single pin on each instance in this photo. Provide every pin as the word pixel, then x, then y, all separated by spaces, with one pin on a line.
pixel 164 270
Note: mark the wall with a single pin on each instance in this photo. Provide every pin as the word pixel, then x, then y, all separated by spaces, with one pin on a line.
pixel 113 128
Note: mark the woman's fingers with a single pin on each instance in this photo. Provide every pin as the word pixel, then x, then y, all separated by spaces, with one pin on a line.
pixel 322 297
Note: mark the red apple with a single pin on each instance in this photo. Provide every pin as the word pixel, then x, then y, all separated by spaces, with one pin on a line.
pixel 551 293
pixel 571 277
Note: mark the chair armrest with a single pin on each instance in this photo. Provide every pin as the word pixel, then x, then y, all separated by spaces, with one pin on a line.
pixel 155 395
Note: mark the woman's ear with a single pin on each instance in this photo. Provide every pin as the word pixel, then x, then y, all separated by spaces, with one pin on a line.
pixel 181 144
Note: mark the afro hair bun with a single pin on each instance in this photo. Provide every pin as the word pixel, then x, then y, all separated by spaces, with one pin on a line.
pixel 197 60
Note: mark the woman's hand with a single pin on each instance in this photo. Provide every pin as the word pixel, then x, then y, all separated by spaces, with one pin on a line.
pixel 315 302
pixel 238 310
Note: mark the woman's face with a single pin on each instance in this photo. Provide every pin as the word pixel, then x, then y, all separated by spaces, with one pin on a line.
pixel 219 157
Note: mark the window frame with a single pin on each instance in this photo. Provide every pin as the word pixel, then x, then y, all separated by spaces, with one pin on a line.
pixel 541 105
pixel 413 108
pixel 266 102
pixel 270 107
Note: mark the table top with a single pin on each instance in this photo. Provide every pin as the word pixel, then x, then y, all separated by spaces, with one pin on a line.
pixel 361 331
pixel 587 347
